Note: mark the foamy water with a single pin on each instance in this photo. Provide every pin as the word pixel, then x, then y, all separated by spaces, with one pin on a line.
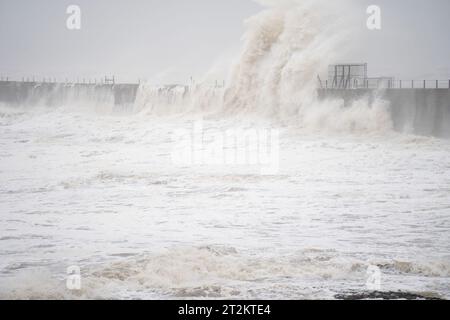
pixel 84 185
pixel 100 192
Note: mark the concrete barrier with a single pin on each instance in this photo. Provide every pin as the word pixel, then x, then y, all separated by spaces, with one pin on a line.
pixel 419 111
pixel 56 94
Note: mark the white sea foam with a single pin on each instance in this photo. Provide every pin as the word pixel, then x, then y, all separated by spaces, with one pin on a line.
pixel 98 189
pixel 216 272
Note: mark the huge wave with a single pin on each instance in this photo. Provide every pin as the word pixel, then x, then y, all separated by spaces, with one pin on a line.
pixel 285 47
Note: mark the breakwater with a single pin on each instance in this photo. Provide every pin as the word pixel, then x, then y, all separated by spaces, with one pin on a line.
pixel 422 111
pixel 15 93
pixel 418 111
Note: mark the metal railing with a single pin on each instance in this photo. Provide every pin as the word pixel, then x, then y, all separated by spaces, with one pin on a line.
pixel 385 83
pixel 220 84
pixel 101 81
pixel 420 84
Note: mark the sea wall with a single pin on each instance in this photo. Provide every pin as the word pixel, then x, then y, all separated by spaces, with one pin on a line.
pixel 57 94
pixel 419 111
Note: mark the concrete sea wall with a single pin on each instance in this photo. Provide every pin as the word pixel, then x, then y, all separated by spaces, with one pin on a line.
pixel 57 94
pixel 419 111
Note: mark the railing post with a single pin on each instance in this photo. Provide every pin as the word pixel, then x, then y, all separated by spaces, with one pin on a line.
pixel 437 84
pixel 424 84
pixel 400 84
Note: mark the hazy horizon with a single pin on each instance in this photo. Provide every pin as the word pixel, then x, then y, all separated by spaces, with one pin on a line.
pixel 170 41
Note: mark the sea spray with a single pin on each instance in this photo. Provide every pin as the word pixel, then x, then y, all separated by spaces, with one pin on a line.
pixel 285 47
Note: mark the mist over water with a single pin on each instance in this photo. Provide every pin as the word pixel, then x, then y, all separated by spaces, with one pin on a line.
pixel 90 183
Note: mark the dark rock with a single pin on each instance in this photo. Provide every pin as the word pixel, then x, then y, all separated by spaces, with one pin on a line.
pixel 389 295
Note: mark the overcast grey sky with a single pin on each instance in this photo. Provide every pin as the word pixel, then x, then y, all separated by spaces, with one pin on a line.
pixel 169 40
